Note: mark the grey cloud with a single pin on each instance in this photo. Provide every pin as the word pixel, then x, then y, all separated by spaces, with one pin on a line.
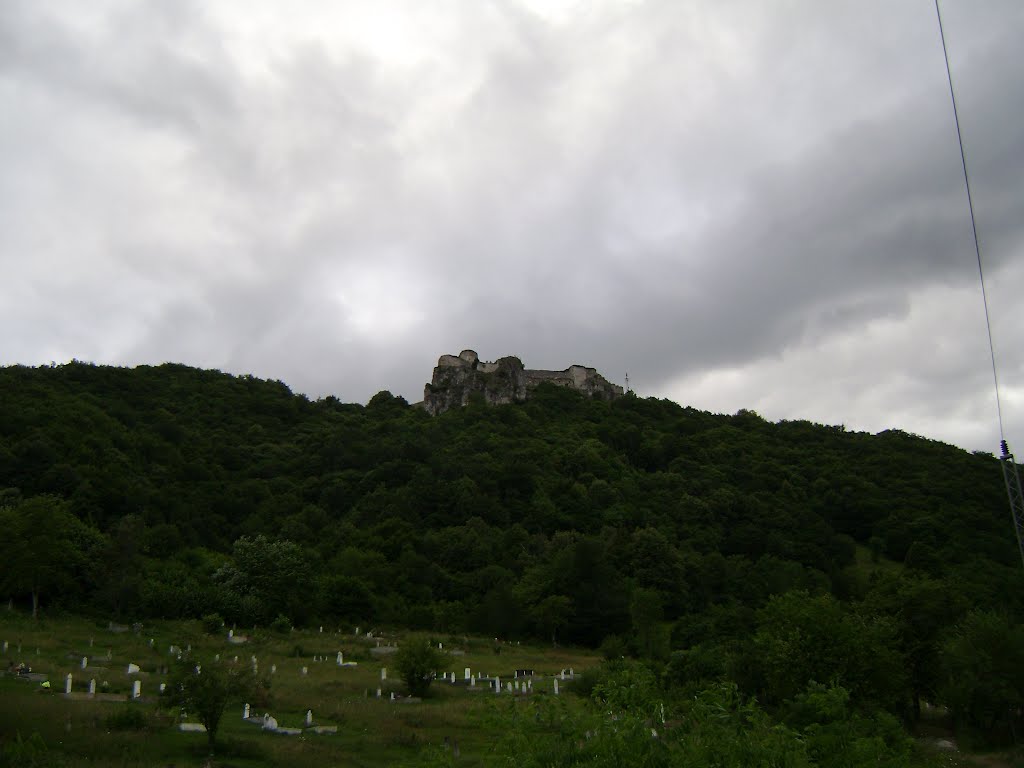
pixel 649 188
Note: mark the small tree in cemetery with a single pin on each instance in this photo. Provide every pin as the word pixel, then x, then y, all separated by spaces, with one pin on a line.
pixel 417 662
pixel 206 689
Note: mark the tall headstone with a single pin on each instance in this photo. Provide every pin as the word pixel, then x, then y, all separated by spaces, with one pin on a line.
pixel 309 714
pixel 466 673
pixel 378 693
pixel 136 689
pixel 556 686
pixel 231 633
pixel 163 687
pixel 383 673
pixel 341 658
pixel 305 670
pixel 273 669
pixel 67 683
pixel 245 712
pixel 92 687
pixel 497 685
pixel 85 662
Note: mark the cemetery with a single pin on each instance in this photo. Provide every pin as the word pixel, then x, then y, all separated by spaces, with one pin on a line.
pixel 98 695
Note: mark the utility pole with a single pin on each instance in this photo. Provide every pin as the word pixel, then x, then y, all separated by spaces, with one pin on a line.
pixel 1013 489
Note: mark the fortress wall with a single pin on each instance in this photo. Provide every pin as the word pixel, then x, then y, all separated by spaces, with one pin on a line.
pixel 561 378
pixel 451 361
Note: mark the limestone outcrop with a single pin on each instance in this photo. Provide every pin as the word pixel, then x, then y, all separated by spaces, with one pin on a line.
pixel 506 380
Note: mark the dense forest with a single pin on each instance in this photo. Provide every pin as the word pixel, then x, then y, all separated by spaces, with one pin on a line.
pixel 775 556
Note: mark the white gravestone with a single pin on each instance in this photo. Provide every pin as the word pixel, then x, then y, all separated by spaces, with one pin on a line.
pixel 245 712
pixel 378 693
pixel 383 673
pixel 92 687
pixel 163 687
pixel 133 669
pixel 341 658
pixel 85 662
pixel 497 685
pixel 273 669
pixel 67 683
pixel 305 670
pixel 136 689
pixel 309 712
pixel 466 673
pixel 556 686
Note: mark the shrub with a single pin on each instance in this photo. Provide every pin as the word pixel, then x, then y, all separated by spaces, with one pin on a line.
pixel 212 623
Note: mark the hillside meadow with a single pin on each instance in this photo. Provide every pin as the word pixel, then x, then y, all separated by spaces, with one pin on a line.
pixel 81 730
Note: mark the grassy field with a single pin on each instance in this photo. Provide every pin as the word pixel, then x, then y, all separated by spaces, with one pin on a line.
pixel 56 730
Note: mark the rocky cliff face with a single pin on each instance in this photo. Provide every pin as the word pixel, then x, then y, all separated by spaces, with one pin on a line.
pixel 506 380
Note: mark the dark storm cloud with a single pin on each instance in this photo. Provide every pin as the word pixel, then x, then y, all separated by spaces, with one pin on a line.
pixel 719 199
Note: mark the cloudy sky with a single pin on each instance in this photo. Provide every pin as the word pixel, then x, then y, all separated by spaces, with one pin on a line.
pixel 741 204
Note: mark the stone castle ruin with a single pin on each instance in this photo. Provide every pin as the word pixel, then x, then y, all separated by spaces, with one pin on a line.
pixel 506 380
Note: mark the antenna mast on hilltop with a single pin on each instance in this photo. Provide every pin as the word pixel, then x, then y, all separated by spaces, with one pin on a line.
pixel 627 382
pixel 1010 472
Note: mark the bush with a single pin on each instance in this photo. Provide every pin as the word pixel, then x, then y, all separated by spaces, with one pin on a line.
pixel 212 623
pixel 281 624
pixel 417 663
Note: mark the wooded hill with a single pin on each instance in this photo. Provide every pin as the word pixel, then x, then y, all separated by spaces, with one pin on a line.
pixel 650 527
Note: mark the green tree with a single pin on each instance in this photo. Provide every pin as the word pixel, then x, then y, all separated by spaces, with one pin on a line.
pixel 269 577
pixel 417 662
pixel 206 688
pixel 649 630
pixel 43 547
pixel 552 614
pixel 983 674
pixel 804 638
